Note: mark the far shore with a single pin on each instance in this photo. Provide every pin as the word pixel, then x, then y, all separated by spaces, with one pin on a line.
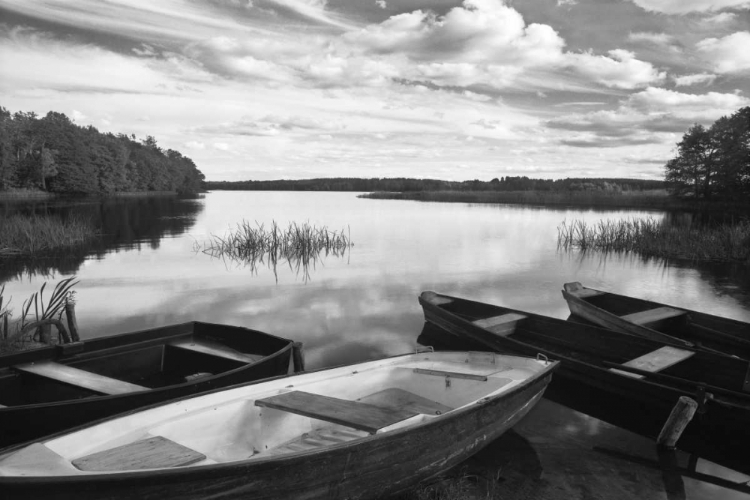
pixel 30 194
pixel 651 199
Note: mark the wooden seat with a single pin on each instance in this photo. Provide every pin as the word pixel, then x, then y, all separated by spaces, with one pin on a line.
pixel 652 315
pixel 152 453
pixel 362 416
pixel 504 324
pixel 79 378
pixel 212 348
pixel 399 398
pixel 441 373
pixel 656 361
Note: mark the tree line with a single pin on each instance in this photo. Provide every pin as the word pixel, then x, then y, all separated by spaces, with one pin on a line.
pixel 54 154
pixel 409 185
pixel 713 162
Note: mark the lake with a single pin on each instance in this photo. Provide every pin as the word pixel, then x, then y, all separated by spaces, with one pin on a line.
pixel 146 271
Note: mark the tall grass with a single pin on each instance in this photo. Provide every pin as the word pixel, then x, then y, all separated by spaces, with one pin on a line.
pixel 42 234
pixel 18 333
pixel 649 237
pixel 299 245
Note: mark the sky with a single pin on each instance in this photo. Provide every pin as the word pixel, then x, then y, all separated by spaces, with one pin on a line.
pixel 297 89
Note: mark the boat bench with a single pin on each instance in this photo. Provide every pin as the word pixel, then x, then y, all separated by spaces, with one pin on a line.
pixel 362 416
pixel 79 378
pixel 656 361
pixel 652 315
pixel 503 325
pixel 212 348
pixel 150 453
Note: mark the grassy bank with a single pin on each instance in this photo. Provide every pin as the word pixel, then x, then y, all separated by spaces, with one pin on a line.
pixel 25 194
pixel 656 199
pixel 648 237
pixel 23 235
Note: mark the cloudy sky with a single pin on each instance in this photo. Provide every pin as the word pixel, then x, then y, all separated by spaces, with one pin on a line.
pixel 272 89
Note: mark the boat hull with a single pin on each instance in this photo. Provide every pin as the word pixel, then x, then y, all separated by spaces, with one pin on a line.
pixel 25 422
pixel 373 467
pixel 719 430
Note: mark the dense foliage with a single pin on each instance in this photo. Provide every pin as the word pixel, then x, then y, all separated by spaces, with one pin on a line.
pixel 713 162
pixel 406 185
pixel 54 154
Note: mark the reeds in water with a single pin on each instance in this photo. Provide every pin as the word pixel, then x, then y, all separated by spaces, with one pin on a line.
pixel 42 234
pixel 649 237
pixel 299 245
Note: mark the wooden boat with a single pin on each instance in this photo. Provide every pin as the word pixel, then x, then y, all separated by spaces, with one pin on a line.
pixel 658 321
pixel 358 431
pixel 627 380
pixel 57 387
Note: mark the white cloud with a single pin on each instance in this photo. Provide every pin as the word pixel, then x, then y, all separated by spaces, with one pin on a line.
pixel 77 116
pixel 381 4
pixel 620 70
pixel 654 38
pixel 687 80
pixel 720 18
pixel 222 146
pixel 195 145
pixel 730 54
pixel 686 6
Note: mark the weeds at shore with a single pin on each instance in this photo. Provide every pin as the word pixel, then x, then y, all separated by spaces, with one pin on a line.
pixel 36 234
pixel 299 245
pixel 649 237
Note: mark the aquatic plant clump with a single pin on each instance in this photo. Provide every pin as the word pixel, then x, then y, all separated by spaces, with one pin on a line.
pixel 299 244
pixel 22 235
pixel 726 243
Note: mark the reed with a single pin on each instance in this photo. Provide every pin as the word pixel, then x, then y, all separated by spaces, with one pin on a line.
pixel 22 235
pixel 36 313
pixel 299 245
pixel 649 237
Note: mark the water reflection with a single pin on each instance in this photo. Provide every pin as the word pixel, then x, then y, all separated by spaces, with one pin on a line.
pixel 126 223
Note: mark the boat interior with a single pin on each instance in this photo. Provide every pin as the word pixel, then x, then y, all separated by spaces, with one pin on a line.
pixel 118 369
pixel 626 354
pixel 302 413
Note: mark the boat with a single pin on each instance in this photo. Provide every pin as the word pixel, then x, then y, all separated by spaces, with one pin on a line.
pixel 57 387
pixel 361 431
pixel 626 380
pixel 659 321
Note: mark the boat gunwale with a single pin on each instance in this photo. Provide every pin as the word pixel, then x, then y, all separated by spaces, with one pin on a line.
pixel 156 390
pixel 228 468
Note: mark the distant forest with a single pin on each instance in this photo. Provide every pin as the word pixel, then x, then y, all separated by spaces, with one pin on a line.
pixel 406 185
pixel 56 155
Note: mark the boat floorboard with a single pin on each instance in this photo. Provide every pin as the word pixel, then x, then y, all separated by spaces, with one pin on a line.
pixel 150 453
pixel 652 315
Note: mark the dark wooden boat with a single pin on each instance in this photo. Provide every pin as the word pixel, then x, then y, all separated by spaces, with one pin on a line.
pixel 659 321
pixel 57 387
pixel 627 380
pixel 358 431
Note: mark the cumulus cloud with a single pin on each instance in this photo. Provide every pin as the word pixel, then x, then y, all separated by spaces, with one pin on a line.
pixel 654 38
pixel 687 6
pixel 730 54
pixel 652 115
pixel 687 80
pixel 620 70
pixel 221 146
pixel 195 145
pixel 381 4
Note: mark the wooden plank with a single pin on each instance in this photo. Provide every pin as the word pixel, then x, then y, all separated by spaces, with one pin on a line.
pixel 152 453
pixel 441 373
pixel 657 360
pixel 435 299
pixel 652 315
pixel 79 378
pixel 362 416
pixel 399 398
pixel 505 324
pixel 212 348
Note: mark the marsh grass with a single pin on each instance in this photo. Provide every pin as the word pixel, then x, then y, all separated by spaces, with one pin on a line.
pixel 649 237
pixel 299 245
pixel 24 235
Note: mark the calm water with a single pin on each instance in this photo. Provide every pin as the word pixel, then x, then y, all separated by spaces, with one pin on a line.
pixel 145 272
